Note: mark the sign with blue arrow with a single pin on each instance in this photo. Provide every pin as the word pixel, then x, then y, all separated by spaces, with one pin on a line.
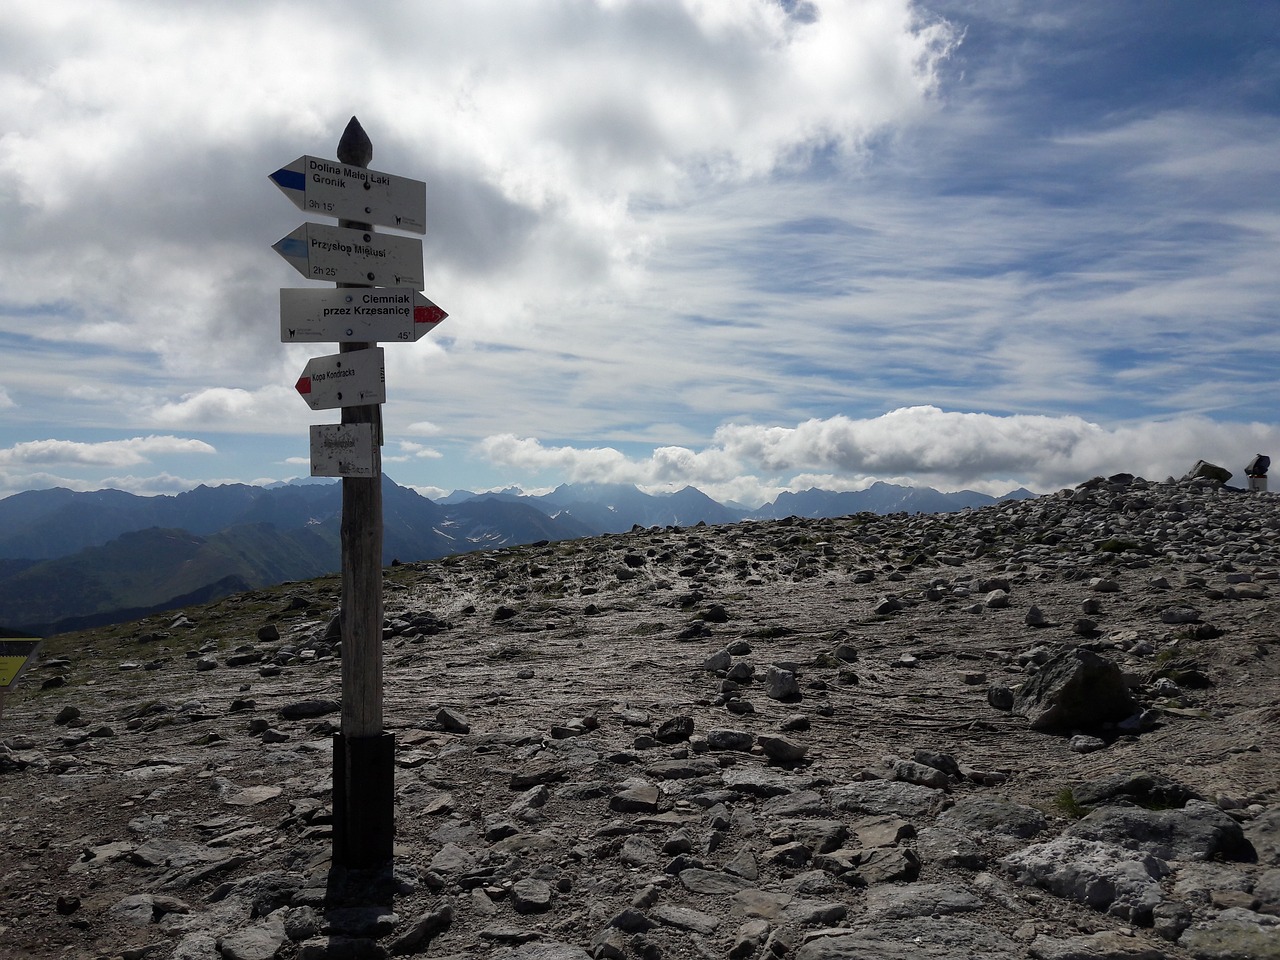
pixel 331 188
pixel 343 255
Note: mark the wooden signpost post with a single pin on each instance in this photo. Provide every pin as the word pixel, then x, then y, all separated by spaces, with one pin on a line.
pixel 365 264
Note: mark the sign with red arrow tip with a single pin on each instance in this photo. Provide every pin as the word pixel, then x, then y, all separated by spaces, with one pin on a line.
pixel 373 315
pixel 351 379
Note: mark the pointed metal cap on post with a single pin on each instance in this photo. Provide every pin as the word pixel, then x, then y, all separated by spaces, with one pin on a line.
pixel 355 147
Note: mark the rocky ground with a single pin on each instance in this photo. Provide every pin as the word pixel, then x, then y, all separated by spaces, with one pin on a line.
pixel 1044 729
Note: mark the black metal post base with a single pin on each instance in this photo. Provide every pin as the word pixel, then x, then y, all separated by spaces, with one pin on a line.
pixel 364 827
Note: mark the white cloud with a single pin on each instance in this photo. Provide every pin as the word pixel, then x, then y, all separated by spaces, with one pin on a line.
pixel 268 409
pixel 6 402
pixel 107 453
pixel 418 451
pixel 430 492
pixel 912 445
pixel 152 486
pixel 410 451
pixel 528 454
pixel 423 428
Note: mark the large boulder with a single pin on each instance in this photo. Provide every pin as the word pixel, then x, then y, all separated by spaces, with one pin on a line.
pixel 1076 690
pixel 1199 831
pixel 1204 470
pixel 1123 883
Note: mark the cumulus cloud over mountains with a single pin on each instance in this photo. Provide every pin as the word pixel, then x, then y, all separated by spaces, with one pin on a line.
pixel 923 445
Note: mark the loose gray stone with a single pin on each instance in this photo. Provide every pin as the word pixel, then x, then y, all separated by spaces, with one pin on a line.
pixel 1154 790
pixel 820 836
pixel 1263 832
pixel 1095 946
pixel 1234 935
pixel 720 660
pixel 809 913
pixel 781 750
pixel 764 904
pixel 545 950
pixel 887 797
pixel 452 721
pixel 952 848
pixel 1199 831
pixel 636 796
pixel 307 709
pixel 531 895
pixel 887 865
pixel 780 684
pixel 713 882
pixel 743 865
pixel 788 855
pixel 1083 743
pixel 759 781
pixel 802 803
pixel 144 909
pixel 908 771
pixel 638 852
pixel 176 854
pixel 688 769
pixel 452 859
pixel 917 939
pixel 1075 690
pixel 722 739
pixel 748 939
pixel 684 918
pixel 675 730
pixel 1000 697
pixel 901 901
pixel 1204 470
pixel 1122 882
pixel 993 815
pixel 262 941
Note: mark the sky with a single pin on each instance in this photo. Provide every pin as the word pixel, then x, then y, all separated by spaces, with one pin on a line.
pixel 745 245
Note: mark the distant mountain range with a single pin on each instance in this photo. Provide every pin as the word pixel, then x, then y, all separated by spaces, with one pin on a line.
pixel 71 560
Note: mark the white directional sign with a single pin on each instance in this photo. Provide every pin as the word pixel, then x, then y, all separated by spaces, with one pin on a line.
pixel 381 314
pixel 342 450
pixel 334 189
pixel 342 255
pixel 344 380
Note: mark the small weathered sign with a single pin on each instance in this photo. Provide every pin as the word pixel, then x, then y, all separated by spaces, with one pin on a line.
pixel 16 653
pixel 343 255
pixel 351 379
pixel 342 450
pixel 377 315
pixel 331 188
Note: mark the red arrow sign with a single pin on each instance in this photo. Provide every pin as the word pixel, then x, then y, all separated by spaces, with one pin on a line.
pixel 430 314
pixel 352 379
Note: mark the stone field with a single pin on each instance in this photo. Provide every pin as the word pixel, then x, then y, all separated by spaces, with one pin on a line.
pixel 1044 729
